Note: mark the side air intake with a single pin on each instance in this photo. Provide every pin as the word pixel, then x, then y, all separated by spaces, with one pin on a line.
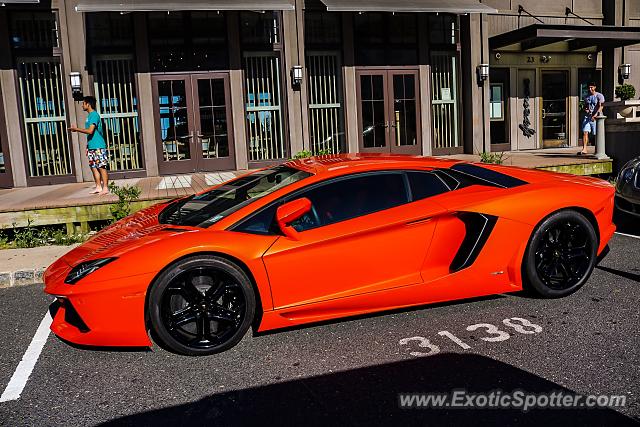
pixel 478 228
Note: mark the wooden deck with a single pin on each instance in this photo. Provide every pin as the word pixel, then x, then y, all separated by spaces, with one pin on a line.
pixel 71 204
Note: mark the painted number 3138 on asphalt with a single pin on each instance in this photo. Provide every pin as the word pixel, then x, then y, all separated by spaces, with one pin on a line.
pixel 520 325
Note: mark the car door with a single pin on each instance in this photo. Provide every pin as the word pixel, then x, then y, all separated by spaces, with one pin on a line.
pixel 363 235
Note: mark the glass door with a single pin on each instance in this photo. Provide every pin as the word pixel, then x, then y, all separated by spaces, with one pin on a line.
pixel 192 123
pixel 388 110
pixel 404 114
pixel 373 126
pixel 6 179
pixel 174 124
pixel 554 109
pixel 213 135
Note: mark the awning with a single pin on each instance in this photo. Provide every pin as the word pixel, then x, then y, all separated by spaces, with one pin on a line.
pixel 175 5
pixel 450 6
pixel 566 38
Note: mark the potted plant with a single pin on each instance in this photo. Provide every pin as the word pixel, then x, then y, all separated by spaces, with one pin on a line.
pixel 625 92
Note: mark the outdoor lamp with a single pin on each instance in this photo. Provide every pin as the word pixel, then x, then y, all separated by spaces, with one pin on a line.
pixel 483 72
pixel 76 85
pixel 625 70
pixel 296 75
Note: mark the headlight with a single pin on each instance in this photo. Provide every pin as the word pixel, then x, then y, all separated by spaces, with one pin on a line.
pixel 627 175
pixel 85 268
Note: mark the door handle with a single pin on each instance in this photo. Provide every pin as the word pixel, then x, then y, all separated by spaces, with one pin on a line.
pixel 419 221
pixel 544 113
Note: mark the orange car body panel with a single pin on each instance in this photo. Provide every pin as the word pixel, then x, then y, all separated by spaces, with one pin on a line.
pixel 391 259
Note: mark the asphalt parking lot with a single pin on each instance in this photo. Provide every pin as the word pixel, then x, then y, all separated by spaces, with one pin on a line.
pixel 351 372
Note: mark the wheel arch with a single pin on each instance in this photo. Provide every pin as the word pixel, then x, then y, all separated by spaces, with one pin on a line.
pixel 259 310
pixel 587 213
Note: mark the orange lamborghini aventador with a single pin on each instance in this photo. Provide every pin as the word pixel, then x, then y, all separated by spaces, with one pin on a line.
pixel 324 238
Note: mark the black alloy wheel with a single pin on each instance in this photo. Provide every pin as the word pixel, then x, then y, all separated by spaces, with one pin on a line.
pixel 561 255
pixel 204 305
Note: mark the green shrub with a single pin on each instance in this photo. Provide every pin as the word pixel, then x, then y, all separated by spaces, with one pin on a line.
pixel 306 153
pixel 625 92
pixel 126 195
pixel 492 158
pixel 27 237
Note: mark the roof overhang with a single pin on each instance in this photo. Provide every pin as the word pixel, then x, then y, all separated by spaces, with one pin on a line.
pixel 175 5
pixel 433 6
pixel 568 37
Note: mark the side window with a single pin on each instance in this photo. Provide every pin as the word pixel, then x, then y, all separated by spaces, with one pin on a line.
pixel 425 184
pixel 262 222
pixel 351 198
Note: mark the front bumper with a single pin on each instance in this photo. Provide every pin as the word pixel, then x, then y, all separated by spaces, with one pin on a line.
pixel 627 205
pixel 107 313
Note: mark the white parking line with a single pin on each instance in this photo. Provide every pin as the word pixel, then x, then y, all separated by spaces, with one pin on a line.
pixel 28 362
pixel 628 235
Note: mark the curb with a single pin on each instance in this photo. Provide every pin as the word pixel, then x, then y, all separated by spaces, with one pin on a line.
pixel 21 277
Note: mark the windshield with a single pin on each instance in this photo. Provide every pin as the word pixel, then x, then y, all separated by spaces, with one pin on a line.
pixel 205 209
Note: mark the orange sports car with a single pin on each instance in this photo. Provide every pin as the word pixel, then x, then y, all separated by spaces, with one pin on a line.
pixel 325 238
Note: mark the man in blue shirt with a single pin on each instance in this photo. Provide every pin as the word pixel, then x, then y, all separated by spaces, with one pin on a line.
pixel 593 104
pixel 96 145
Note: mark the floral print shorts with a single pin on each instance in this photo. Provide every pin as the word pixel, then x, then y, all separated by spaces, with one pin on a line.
pixel 98 158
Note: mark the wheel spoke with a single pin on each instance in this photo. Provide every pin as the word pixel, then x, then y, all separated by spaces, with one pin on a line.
pixel 183 317
pixel 216 291
pixel 579 252
pixel 222 313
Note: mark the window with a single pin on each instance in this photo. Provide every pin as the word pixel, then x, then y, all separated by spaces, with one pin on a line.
pixel 187 41
pixel 443 29
pixel 496 102
pixel 425 184
pixel 386 39
pixel 352 197
pixel 33 30
pixel 259 29
pixel 205 209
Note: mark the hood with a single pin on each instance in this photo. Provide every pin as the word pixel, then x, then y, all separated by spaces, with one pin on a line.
pixel 133 231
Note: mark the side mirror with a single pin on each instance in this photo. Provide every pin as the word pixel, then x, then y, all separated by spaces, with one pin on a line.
pixel 289 213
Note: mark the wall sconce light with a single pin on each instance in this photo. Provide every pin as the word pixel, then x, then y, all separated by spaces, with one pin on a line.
pixel 483 72
pixel 76 85
pixel 625 71
pixel 296 75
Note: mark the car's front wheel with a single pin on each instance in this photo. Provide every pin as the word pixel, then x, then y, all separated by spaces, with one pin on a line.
pixel 561 255
pixel 201 305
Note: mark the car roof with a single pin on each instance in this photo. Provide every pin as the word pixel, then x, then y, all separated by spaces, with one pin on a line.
pixel 344 163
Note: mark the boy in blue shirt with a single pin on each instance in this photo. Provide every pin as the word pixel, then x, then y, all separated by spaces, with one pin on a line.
pixel 96 146
pixel 593 104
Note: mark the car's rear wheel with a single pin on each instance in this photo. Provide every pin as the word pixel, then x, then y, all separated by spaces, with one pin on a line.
pixel 201 305
pixel 561 255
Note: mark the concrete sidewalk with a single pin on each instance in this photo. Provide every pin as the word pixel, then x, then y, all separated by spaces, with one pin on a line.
pixel 25 266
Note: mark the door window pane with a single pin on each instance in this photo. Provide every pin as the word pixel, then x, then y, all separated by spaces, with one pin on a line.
pixel 495 101
pixel 174 120
pixel 353 197
pixel 554 108
pixel 373 114
pixel 404 110
pixel 213 118
pixel 425 184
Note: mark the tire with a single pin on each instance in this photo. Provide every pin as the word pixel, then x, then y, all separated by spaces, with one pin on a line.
pixel 561 255
pixel 200 306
